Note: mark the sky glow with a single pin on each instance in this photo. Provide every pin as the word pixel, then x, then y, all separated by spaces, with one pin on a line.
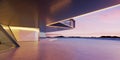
pixel 104 22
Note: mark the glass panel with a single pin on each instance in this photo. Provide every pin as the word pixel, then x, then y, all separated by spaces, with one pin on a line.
pixel 7 39
pixel 8 30
pixel 5 42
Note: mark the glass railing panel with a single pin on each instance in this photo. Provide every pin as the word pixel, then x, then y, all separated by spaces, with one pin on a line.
pixel 9 31
pixel 7 40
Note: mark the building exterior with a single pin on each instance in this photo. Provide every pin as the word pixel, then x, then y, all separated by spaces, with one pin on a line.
pixel 23 20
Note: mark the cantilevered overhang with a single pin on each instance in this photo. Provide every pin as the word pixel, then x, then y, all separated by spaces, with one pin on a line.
pixel 64 9
pixel 39 13
pixel 78 8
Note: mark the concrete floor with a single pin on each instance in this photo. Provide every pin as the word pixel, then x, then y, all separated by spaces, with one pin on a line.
pixel 65 49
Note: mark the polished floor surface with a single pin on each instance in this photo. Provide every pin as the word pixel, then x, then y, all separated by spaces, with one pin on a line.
pixel 65 49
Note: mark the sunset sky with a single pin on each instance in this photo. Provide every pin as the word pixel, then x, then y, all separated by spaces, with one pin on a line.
pixel 98 23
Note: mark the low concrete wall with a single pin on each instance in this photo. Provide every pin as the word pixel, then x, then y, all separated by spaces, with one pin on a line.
pixel 26 34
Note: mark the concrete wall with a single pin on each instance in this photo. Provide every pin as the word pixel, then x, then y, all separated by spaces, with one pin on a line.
pixel 19 13
pixel 25 33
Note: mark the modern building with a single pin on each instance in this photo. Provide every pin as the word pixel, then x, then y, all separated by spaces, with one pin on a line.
pixel 24 21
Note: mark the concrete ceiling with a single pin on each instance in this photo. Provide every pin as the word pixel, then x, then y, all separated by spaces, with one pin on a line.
pixel 35 13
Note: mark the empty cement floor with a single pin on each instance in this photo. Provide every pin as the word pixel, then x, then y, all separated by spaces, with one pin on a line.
pixel 65 49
